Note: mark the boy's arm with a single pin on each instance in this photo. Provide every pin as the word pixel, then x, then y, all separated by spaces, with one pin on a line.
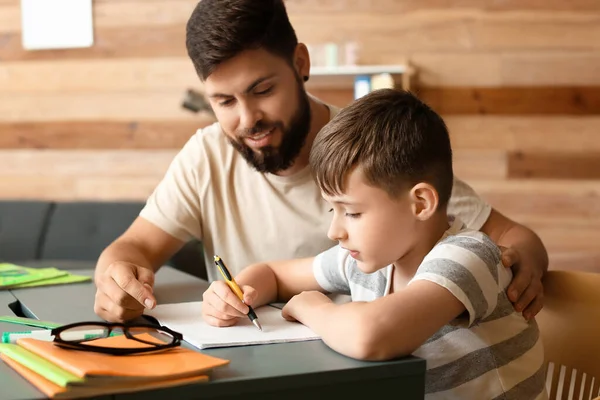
pixel 279 280
pixel 388 327
pixel 526 255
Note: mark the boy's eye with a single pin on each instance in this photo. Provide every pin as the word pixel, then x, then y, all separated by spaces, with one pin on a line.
pixel 331 210
pixel 226 103
pixel 352 215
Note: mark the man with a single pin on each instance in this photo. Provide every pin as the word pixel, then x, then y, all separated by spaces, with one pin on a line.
pixel 243 185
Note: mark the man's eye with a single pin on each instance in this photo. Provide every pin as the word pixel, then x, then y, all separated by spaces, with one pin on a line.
pixel 352 215
pixel 266 91
pixel 226 103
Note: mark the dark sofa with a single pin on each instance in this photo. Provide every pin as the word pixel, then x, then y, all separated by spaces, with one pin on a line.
pixel 42 232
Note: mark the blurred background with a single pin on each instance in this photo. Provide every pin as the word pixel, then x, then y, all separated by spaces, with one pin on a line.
pixel 518 82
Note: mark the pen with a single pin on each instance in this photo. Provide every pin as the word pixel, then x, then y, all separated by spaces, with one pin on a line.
pixel 236 289
pixel 45 335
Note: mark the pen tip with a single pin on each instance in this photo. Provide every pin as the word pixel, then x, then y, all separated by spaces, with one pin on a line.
pixel 217 258
pixel 257 324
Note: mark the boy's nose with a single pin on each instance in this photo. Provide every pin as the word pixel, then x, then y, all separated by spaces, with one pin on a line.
pixel 336 232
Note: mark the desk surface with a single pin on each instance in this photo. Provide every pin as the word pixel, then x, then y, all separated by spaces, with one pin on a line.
pixel 292 369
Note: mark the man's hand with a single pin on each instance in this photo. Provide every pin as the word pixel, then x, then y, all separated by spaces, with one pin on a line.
pixel 221 307
pixel 525 290
pixel 123 291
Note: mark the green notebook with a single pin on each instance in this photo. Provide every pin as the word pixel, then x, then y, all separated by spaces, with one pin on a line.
pixel 12 275
pixel 15 276
pixel 39 365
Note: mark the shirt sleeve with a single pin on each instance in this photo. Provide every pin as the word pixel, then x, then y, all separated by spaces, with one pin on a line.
pixel 174 205
pixel 466 204
pixel 467 265
pixel 330 270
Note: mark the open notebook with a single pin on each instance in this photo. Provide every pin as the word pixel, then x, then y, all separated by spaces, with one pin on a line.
pixel 186 318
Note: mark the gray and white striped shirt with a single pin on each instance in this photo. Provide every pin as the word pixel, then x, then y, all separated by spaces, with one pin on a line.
pixel 489 352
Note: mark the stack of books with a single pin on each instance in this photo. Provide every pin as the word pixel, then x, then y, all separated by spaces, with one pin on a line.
pixel 16 277
pixel 64 373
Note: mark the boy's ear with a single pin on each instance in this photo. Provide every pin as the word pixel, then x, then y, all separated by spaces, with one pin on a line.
pixel 425 200
pixel 302 61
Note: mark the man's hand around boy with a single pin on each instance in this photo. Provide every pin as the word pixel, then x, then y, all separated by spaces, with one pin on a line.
pixel 221 307
pixel 525 290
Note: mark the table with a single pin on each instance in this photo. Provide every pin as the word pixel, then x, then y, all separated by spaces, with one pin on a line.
pixel 294 370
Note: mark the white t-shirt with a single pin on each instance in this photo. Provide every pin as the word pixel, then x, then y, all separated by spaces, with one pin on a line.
pixel 491 351
pixel 211 193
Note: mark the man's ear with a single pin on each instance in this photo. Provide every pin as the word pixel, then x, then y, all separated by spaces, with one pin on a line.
pixel 424 200
pixel 302 61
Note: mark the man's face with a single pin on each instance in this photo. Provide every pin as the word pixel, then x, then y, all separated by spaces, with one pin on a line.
pixel 262 107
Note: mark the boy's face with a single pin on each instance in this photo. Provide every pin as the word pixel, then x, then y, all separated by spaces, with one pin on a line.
pixel 263 109
pixel 377 229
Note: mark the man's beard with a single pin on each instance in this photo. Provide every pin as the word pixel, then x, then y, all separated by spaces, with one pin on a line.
pixel 274 159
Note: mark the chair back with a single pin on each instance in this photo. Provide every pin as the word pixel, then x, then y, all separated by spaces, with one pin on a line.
pixel 569 326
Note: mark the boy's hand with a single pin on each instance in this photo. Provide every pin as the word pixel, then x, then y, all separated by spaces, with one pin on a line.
pixel 221 307
pixel 302 303
pixel 525 290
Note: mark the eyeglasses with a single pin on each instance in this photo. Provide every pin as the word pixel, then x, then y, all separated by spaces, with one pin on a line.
pixel 143 338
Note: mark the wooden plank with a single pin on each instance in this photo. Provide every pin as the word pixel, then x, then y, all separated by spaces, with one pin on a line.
pixel 110 14
pixel 580 237
pixel 81 106
pixel 88 163
pixel 464 39
pixel 479 164
pixel 464 30
pixel 81 174
pixel 526 199
pixel 108 75
pixel 554 165
pixel 526 133
pixel 57 188
pixel 101 134
pixel 510 100
pixel 404 6
pixel 577 68
pixel 569 100
pixel 468 133
pixel 123 42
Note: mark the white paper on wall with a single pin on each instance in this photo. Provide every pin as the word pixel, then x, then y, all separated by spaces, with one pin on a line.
pixel 56 24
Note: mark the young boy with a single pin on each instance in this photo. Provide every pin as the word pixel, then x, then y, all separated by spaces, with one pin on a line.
pixel 420 282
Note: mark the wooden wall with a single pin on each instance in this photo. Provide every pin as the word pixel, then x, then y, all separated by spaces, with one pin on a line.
pixel 518 82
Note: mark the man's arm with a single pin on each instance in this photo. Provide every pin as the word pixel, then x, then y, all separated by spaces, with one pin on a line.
pixel 526 255
pixel 124 275
pixel 143 244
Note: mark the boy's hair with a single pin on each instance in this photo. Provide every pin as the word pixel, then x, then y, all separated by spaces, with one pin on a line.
pixel 395 138
pixel 219 30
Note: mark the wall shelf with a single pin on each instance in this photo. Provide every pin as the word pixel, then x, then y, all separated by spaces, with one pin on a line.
pixel 342 77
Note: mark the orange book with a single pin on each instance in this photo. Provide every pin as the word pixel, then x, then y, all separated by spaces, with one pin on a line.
pixel 55 391
pixel 68 373
pixel 178 362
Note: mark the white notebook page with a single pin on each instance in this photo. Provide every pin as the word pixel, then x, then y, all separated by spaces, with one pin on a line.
pixel 186 318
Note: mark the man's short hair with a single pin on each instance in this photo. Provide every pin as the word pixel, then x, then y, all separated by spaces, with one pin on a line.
pixel 396 139
pixel 219 30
